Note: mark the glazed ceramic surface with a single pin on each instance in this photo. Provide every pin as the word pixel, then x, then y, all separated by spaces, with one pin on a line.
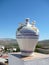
pixel 27 37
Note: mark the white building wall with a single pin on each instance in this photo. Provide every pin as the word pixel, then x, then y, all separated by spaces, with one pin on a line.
pixel 15 61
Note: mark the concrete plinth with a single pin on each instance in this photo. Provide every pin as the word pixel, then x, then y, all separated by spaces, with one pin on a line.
pixel 35 59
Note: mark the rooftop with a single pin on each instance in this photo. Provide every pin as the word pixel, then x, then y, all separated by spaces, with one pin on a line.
pixel 34 56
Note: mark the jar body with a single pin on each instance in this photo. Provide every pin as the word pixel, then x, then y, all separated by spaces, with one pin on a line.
pixel 27 39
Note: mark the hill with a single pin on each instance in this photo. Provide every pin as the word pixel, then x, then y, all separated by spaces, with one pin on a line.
pixel 7 41
pixel 43 46
pixel 44 43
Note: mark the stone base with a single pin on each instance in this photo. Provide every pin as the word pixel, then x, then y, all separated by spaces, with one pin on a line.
pixel 35 59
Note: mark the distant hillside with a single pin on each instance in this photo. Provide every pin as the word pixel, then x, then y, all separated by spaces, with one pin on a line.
pixel 44 42
pixel 43 47
pixel 7 41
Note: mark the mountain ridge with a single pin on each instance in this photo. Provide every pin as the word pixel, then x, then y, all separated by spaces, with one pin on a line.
pixel 6 41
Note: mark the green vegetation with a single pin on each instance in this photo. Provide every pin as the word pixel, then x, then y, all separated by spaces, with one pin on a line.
pixel 38 46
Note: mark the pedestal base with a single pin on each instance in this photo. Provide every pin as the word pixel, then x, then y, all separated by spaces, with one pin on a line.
pixel 35 59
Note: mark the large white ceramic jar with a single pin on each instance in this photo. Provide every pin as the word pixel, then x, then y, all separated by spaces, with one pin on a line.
pixel 27 37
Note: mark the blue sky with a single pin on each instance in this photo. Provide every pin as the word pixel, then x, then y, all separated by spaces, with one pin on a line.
pixel 12 12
